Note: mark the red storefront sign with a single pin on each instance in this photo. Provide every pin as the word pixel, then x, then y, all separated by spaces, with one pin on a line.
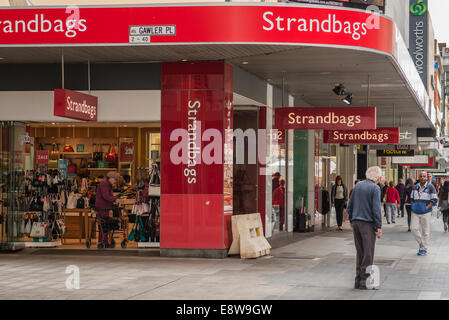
pixel 75 105
pixel 196 184
pixel 42 156
pixel 299 24
pixel 190 110
pixel 353 118
pixel 377 136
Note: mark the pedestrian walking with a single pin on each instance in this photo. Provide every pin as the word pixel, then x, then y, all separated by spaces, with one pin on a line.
pixel 384 193
pixel 424 198
pixel 279 200
pixel 434 183
pixel 410 185
pixel 401 190
pixel 391 202
pixel 339 199
pixel 364 211
pixel 443 204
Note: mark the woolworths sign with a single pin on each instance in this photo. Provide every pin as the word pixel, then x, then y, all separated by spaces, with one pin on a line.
pixel 418 37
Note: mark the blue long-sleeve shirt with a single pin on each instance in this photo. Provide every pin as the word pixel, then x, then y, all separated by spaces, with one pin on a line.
pixel 364 204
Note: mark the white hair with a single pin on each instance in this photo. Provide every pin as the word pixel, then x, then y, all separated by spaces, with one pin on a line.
pixel 374 173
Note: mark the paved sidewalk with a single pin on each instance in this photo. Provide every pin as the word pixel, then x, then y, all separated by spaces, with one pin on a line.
pixel 319 267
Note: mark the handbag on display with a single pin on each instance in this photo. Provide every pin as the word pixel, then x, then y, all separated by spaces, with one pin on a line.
pixel 39 230
pixel 84 186
pixel 46 206
pixel 54 153
pixel 68 148
pixel 60 226
pixel 72 168
pixel 72 201
pixel 27 227
pixel 80 203
pixel 98 154
pixel 83 171
pixel 111 156
pixel 101 164
pixel 154 189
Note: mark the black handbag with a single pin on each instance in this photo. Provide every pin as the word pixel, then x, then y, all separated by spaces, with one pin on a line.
pixel 97 155
pixel 116 212
pixel 110 224
pixel 80 203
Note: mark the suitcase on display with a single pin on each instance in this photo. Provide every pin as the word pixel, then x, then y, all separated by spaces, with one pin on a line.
pixel 302 225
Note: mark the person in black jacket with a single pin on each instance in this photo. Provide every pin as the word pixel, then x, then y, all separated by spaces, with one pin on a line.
pixel 339 199
pixel 409 185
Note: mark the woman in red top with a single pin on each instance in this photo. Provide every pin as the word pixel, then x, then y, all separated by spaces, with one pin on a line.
pixel 279 200
pixel 392 202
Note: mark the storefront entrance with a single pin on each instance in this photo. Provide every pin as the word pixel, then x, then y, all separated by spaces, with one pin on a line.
pixel 50 173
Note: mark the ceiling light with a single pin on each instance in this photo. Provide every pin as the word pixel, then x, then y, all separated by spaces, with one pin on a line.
pixel 348 99
pixel 245 62
pixel 184 60
pixel 339 90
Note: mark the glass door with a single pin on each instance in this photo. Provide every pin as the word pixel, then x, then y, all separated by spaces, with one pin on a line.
pixel 12 182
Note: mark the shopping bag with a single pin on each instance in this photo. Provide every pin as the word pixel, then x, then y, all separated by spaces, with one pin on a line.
pixel 39 230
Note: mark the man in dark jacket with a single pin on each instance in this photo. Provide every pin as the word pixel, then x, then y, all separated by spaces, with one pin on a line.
pixel 364 212
pixel 401 190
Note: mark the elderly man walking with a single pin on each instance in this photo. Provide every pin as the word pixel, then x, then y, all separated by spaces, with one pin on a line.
pixel 424 197
pixel 364 212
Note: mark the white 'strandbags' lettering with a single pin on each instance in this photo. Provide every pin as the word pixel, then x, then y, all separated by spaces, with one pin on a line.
pixel 361 136
pixel 330 25
pixel 39 23
pixel 81 107
pixel 331 118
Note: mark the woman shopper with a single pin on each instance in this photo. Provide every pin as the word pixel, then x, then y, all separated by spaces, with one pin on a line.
pixel 339 198
pixel 409 185
pixel 443 204
pixel 104 201
pixel 391 203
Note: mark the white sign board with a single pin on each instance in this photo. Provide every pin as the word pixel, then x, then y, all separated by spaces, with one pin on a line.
pixel 421 159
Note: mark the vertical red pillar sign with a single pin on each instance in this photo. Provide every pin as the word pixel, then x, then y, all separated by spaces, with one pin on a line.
pixel 196 186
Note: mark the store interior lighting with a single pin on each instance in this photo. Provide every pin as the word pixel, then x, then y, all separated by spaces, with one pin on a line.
pixel 348 99
pixel 339 90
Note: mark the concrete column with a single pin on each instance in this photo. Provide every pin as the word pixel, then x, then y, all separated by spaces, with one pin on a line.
pixel 268 184
pixel 311 173
pixel 289 161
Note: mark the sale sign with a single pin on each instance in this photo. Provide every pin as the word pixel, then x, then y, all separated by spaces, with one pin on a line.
pixel 42 156
pixel 350 118
pixel 376 136
pixel 75 105
pixel 127 152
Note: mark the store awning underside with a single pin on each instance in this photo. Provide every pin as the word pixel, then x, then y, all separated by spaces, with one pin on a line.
pixel 309 73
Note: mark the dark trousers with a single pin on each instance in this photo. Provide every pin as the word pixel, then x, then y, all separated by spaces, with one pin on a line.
pixel 339 208
pixel 365 242
pixel 281 218
pixel 103 237
pixel 401 212
pixel 409 215
pixel 445 216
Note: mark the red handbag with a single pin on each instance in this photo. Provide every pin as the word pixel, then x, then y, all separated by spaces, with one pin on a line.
pixel 111 156
pixel 68 148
